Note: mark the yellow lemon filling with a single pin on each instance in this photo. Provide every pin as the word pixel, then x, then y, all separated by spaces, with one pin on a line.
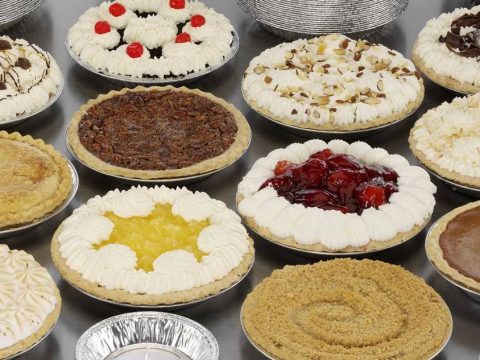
pixel 155 234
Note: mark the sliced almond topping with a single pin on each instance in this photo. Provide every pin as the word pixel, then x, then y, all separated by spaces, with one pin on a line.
pixel 320 70
pixel 405 70
pixel 359 74
pixel 365 91
pixel 259 69
pixel 372 59
pixel 361 68
pixel 340 101
pixel 321 48
pixel 289 55
pixel 387 61
pixel 322 100
pixel 380 85
pixel 294 51
pixel 379 66
pixel 392 53
pixel 345 43
pixel 294 112
pixel 357 55
pixel 303 59
pixel 395 69
pixel 372 101
pixel 339 51
pixel 316 114
pixel 267 79
pixel 329 90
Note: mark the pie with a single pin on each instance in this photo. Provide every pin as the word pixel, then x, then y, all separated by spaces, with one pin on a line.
pixel 35 179
pixel 156 39
pixel 29 78
pixel 335 197
pixel 453 245
pixel 346 309
pixel 447 50
pixel 29 302
pixel 158 132
pixel 152 246
pixel 446 140
pixel 332 83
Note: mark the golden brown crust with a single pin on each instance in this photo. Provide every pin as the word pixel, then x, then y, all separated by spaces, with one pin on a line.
pixel 346 309
pixel 42 204
pixel 121 296
pixel 371 246
pixel 442 80
pixel 33 339
pixel 411 107
pixel 233 153
pixel 435 253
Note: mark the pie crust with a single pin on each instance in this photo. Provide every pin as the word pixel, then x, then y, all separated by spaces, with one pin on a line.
pixel 346 309
pixel 233 153
pixel 45 191
pixel 435 253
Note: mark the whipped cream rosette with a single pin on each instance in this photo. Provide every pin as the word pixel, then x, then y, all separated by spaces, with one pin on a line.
pixel 29 78
pixel 446 140
pixel 332 197
pixel 152 246
pixel 151 38
pixel 29 302
pixel 447 50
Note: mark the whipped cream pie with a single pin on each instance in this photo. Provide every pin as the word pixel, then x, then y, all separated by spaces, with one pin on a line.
pixel 155 38
pixel 335 197
pixel 152 246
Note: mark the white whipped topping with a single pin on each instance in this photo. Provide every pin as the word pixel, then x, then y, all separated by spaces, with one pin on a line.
pixel 449 135
pixel 298 91
pixel 30 89
pixel 412 205
pixel 224 241
pixel 438 57
pixel 210 42
pixel 27 296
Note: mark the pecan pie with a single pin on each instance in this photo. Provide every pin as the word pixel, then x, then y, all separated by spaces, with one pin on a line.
pixel 159 132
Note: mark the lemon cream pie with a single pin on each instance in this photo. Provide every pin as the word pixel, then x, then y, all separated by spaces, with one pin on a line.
pixel 447 50
pixel 346 309
pixel 151 38
pixel 446 140
pixel 332 83
pixel 152 246
pixel 335 197
pixel 29 302
pixel 29 78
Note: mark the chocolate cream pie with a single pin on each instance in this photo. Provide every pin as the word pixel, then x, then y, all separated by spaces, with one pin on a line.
pixel 453 245
pixel 159 132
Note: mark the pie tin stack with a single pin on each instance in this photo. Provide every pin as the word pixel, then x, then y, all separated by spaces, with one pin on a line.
pixel 293 18
pixel 12 11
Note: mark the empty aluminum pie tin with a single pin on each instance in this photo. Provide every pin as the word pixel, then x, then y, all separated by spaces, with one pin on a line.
pixel 177 80
pixel 21 118
pixel 170 307
pixel 475 295
pixel 13 231
pixel 147 336
pixel 12 11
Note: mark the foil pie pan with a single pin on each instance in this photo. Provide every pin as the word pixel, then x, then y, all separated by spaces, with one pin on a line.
pixel 12 11
pixel 147 336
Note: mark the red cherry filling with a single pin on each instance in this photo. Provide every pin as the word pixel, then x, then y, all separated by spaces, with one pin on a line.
pixel 197 20
pixel 117 9
pixel 334 182
pixel 177 4
pixel 102 27
pixel 183 38
pixel 135 50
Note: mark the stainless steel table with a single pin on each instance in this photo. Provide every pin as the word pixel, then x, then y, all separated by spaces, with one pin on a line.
pixel 48 26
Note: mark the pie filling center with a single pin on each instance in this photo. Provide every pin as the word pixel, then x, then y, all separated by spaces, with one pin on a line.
pixel 332 181
pixel 153 235
pixel 157 130
pixel 466 44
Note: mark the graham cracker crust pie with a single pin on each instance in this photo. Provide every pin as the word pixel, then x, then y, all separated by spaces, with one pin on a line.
pixel 158 132
pixel 346 309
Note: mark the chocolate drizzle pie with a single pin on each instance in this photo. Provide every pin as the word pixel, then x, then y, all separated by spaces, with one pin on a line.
pixel 467 45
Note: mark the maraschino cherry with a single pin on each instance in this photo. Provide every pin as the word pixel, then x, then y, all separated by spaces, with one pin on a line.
pixel 177 4
pixel 183 38
pixel 102 27
pixel 197 20
pixel 117 9
pixel 135 50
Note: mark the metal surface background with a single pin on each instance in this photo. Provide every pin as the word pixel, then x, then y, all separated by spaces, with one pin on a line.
pixel 47 27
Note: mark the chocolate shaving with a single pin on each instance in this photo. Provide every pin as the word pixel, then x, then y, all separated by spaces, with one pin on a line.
pixel 23 63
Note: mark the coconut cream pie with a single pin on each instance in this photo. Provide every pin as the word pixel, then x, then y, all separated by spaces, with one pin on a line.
pixel 35 179
pixel 29 302
pixel 447 140
pixel 29 78
pixel 346 309
pixel 332 83
pixel 158 132
pixel 447 50
pixel 152 246
pixel 453 245
pixel 151 38
pixel 335 197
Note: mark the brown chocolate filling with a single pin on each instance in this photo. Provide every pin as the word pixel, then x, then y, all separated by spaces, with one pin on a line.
pixel 157 130
pixel 460 243
pixel 467 45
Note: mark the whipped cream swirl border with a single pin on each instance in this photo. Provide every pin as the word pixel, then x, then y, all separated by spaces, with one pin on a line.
pixel 225 242
pixel 412 205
